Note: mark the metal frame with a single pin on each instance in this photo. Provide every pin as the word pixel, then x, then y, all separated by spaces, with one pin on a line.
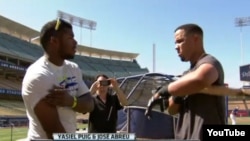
pixel 157 77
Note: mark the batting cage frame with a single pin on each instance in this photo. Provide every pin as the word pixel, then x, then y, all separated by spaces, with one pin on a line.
pixel 139 89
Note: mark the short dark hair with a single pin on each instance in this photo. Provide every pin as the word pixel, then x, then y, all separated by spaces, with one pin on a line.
pixel 51 28
pixel 190 29
pixel 101 75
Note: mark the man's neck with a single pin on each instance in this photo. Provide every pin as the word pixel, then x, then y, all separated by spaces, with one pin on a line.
pixel 103 97
pixel 198 57
pixel 55 60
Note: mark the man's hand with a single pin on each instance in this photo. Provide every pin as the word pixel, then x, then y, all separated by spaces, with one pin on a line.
pixel 157 99
pixel 59 97
pixel 114 84
pixel 94 87
pixel 153 102
pixel 160 97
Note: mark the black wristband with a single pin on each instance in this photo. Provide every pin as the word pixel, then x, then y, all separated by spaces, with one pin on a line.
pixel 177 99
pixel 164 91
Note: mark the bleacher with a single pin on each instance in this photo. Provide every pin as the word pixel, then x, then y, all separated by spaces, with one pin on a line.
pixel 19 48
pixel 10 84
pixel 113 68
pixel 91 66
pixel 12 107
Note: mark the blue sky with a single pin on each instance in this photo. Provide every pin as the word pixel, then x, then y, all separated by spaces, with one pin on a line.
pixel 135 25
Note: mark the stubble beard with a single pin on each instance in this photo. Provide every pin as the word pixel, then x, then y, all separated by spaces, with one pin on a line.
pixel 69 57
pixel 183 59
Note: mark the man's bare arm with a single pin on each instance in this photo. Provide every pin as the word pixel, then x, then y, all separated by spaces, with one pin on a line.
pixel 49 118
pixel 85 103
pixel 121 96
pixel 60 97
pixel 225 91
pixel 195 81
pixel 173 108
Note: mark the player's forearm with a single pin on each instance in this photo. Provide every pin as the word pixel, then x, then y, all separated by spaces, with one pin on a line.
pixel 85 104
pixel 50 121
pixel 56 129
pixel 222 91
pixel 121 96
pixel 92 90
pixel 184 87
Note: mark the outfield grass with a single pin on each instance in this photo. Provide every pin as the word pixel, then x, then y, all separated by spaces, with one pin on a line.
pixel 17 133
pixel 21 132
pixel 8 134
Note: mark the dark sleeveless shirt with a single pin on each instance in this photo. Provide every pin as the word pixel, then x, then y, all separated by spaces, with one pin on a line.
pixel 200 109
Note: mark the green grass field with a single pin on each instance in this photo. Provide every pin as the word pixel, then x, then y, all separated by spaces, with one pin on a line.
pixel 17 133
pixel 21 132
pixel 8 134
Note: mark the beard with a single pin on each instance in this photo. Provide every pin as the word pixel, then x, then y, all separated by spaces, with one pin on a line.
pixel 183 59
pixel 68 56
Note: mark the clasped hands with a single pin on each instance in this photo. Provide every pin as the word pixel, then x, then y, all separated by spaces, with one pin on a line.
pixel 59 96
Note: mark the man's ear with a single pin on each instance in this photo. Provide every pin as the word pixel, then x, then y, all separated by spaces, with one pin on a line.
pixel 196 37
pixel 53 40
